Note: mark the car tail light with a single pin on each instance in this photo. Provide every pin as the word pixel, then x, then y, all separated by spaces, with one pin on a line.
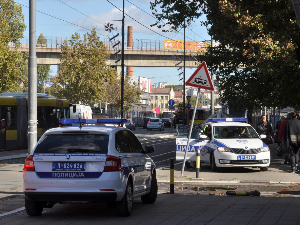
pixel 28 165
pixel 148 121
pixel 159 123
pixel 112 164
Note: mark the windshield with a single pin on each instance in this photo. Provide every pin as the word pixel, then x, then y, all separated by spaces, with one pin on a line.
pixel 183 132
pixel 233 132
pixel 73 143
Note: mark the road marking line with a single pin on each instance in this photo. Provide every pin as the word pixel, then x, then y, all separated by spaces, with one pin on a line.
pixel 11 212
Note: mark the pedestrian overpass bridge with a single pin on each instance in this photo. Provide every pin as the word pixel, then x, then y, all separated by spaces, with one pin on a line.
pixel 133 56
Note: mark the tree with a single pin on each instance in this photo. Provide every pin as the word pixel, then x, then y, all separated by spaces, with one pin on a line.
pixel 13 63
pixel 42 70
pixel 193 101
pixel 132 93
pixel 173 86
pixel 83 72
pixel 259 37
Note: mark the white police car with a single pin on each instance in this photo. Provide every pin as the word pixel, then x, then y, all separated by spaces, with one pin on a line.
pixel 232 143
pixel 89 164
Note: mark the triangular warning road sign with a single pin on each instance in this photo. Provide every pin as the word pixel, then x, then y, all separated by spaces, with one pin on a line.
pixel 201 78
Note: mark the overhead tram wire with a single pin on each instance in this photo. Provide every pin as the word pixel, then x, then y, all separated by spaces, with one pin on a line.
pixel 139 22
pixel 154 17
pixel 81 12
pixel 58 18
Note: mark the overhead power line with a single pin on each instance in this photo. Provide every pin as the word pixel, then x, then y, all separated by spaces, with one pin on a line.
pixel 153 16
pixel 141 9
pixel 81 12
pixel 139 22
pixel 59 18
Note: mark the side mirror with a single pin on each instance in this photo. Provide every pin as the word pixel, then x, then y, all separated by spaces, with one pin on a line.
pixel 149 149
pixel 263 136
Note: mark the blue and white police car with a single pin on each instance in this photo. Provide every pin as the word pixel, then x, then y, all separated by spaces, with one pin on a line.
pixel 228 142
pixel 89 164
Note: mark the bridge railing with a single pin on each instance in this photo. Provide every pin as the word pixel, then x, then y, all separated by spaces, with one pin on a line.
pixel 142 45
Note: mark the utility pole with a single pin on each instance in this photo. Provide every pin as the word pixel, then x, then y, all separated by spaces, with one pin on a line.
pixel 155 99
pixel 212 94
pixel 32 79
pixel 122 64
pixel 184 121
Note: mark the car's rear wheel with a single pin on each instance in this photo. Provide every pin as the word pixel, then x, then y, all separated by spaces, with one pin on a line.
pixel 124 207
pixel 264 168
pixel 33 208
pixel 152 195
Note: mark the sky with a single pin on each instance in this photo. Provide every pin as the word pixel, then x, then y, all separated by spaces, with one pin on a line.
pixel 59 19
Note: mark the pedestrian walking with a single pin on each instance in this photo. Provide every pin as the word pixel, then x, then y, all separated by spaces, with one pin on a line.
pixel 291 140
pixel 282 147
pixel 265 127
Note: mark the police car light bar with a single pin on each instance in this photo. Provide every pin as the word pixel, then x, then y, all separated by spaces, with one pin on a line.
pixel 228 119
pixel 91 121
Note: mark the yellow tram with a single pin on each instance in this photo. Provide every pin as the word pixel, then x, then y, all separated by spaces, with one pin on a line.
pixel 14 118
pixel 200 116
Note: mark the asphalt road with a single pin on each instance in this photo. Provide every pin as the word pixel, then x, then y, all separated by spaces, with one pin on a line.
pixel 12 199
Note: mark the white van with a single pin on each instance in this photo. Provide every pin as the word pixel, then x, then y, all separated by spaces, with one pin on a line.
pixel 82 111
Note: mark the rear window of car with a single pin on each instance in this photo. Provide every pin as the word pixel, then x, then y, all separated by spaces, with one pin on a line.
pixel 73 143
pixel 154 120
pixel 165 120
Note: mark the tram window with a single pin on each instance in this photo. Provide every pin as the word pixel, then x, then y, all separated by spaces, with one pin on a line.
pixel 11 118
pixel 41 118
pixel 51 118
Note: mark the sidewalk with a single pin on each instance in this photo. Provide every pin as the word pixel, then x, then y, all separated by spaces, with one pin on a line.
pixel 278 173
pixel 14 154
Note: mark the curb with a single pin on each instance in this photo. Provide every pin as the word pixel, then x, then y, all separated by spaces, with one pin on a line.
pixel 230 182
pixel 13 157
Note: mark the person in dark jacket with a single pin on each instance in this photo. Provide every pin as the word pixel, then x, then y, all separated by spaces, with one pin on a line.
pixel 291 140
pixel 287 155
pixel 265 127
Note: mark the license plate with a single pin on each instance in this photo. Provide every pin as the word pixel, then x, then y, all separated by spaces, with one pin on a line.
pixel 246 157
pixel 69 166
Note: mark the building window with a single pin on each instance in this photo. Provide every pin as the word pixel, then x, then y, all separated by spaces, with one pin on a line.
pixel 162 97
pixel 156 97
pixel 166 106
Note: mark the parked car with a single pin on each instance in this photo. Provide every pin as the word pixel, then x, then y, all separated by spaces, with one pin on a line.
pixel 167 122
pixel 225 142
pixel 155 123
pixel 129 124
pixel 89 164
pixel 145 121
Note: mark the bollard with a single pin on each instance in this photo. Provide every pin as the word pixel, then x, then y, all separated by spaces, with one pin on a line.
pixel 171 176
pixel 197 162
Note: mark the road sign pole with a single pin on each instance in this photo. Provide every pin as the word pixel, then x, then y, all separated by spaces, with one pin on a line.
pixel 190 132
